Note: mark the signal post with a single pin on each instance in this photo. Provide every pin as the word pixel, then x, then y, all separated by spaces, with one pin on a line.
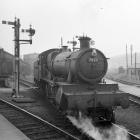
pixel 18 41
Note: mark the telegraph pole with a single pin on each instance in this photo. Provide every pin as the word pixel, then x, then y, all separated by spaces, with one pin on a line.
pixel 131 50
pixel 17 56
pixel 126 60
pixel 16 27
pixel 61 41
pixel 135 62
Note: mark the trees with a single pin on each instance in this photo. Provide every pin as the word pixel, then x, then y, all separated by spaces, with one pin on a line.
pixel 121 70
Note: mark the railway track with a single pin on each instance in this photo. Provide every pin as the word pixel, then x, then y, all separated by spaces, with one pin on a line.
pixel 134 99
pixel 26 83
pixel 124 82
pixel 59 121
pixel 31 125
pixel 131 136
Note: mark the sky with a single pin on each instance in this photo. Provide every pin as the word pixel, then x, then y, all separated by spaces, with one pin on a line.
pixel 110 23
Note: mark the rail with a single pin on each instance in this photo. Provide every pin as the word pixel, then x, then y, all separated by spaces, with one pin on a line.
pixel 135 102
pixel 132 136
pixel 123 82
pixel 26 83
pixel 41 120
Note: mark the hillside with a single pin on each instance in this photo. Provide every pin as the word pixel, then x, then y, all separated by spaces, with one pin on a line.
pixel 120 60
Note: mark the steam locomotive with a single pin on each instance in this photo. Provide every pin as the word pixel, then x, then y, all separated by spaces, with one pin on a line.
pixel 74 81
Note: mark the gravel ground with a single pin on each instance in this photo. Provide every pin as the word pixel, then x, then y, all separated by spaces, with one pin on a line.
pixel 129 118
pixel 41 107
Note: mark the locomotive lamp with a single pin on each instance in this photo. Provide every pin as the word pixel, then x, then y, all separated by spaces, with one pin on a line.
pixel 92 42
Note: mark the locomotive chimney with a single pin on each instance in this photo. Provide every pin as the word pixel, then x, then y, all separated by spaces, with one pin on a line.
pixel 64 48
pixel 84 42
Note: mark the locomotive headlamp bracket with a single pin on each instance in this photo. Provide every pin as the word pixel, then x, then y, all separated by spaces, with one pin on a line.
pixel 93 58
pixel 94 52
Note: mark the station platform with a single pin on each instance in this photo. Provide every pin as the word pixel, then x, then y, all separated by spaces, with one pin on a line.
pixel 9 132
pixel 131 89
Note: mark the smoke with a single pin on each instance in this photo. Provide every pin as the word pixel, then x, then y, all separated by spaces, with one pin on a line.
pixel 112 133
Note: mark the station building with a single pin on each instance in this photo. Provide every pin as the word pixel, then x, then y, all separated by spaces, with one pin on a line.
pixel 30 59
pixel 134 73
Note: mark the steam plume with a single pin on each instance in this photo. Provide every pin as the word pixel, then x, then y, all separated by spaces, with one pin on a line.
pixel 86 125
